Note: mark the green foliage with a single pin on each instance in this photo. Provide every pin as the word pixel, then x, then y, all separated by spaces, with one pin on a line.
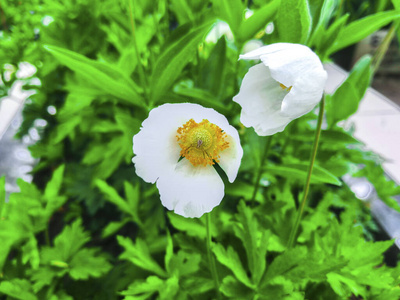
pixel 294 21
pixel 347 97
pixel 88 227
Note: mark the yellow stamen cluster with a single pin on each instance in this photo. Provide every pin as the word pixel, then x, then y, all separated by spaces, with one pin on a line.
pixel 201 142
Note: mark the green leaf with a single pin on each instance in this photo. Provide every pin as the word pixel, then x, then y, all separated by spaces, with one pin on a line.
pixel 232 288
pixel 113 196
pixel 251 26
pixel 293 21
pixel 172 61
pixel 17 289
pixel 87 263
pixel 326 11
pixel 254 241
pixel 132 194
pixel 231 260
pixel 169 252
pixel 30 252
pixel 230 11
pixel 183 263
pixel 113 227
pixel 212 73
pixel 361 28
pixel 299 171
pixel 54 185
pixel 69 241
pixel 201 96
pixel 193 227
pixel 144 288
pixel 329 37
pixel 243 189
pixel 105 77
pixel 344 102
pixel 139 255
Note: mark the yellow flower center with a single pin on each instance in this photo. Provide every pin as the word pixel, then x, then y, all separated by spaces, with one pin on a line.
pixel 284 87
pixel 201 142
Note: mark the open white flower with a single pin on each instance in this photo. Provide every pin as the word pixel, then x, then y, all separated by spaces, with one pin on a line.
pixel 177 147
pixel 287 84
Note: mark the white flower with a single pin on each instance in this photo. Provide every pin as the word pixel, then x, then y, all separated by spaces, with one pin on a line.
pixel 286 85
pixel 190 186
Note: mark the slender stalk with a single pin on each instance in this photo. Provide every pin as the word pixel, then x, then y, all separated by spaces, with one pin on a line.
pixel 211 260
pixel 300 211
pixel 261 169
pixel 383 47
pixel 142 74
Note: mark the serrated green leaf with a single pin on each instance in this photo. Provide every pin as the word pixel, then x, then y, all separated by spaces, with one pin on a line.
pixel 344 102
pixel 361 28
pixel 232 288
pixel 132 194
pixel 87 263
pixel 230 259
pixel 139 255
pixel 184 263
pixel 18 289
pixel 251 26
pixel 293 21
pixel 299 171
pixel 54 185
pixel 150 286
pixel 254 241
pixel 68 242
pixel 112 195
pixel 30 252
pixel 172 61
pixel 113 227
pixel 192 227
pixel 105 77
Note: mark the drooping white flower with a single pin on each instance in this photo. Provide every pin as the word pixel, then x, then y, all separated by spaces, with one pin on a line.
pixel 177 147
pixel 287 84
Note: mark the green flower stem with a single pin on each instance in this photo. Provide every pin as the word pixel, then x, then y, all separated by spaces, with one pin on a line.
pixel 142 75
pixel 261 168
pixel 300 211
pixel 211 260
pixel 384 46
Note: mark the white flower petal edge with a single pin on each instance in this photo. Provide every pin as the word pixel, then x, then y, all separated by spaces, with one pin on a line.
pixel 188 190
pixel 266 105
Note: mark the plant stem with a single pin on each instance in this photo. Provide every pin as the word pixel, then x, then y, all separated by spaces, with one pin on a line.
pixel 300 211
pixel 260 169
pixel 383 47
pixel 141 69
pixel 211 260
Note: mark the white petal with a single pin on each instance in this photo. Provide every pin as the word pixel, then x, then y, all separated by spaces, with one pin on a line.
pixel 293 65
pixel 261 99
pixel 231 157
pixel 191 191
pixel 155 146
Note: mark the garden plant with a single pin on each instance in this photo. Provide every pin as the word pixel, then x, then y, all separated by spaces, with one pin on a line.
pixel 191 152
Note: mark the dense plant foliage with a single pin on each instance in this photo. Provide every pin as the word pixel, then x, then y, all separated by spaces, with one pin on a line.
pixel 89 228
